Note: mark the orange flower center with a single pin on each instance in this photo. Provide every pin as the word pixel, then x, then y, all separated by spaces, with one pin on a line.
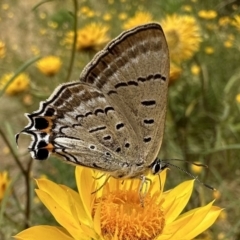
pixel 123 216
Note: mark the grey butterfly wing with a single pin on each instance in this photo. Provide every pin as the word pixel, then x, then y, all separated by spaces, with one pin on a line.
pixel 76 123
pixel 112 119
pixel 133 72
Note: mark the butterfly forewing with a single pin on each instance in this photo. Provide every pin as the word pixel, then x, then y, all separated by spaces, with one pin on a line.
pixel 133 71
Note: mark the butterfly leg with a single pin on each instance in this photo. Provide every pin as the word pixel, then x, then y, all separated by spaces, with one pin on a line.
pixel 143 188
pixel 97 178
pixel 102 184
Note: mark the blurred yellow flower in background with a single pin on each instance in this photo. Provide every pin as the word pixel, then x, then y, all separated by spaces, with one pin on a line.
pixel 19 84
pixel 216 194
pixel 91 37
pixel 183 36
pixel 115 212
pixel 4 182
pixel 2 49
pixel 207 14
pixel 224 21
pixel 35 50
pixel 196 169
pixel 195 69
pixel 85 10
pixel 209 50
pixel 238 98
pixel 228 44
pixel 175 73
pixel 107 17
pixel 49 65
pixel 122 16
pixel 230 41
pixel 236 22
pixel 139 18
pixel 187 8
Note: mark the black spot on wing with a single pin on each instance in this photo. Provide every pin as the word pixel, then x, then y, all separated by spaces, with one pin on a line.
pixel 121 84
pixel 147 139
pixel 119 126
pixel 107 137
pixel 118 149
pixel 148 121
pixel 148 103
pixel 49 112
pixel 40 123
pixel 97 129
pixel 41 154
pixel 97 111
pixel 132 83
pixel 88 114
pixel 127 145
pixel 111 92
pixel 108 109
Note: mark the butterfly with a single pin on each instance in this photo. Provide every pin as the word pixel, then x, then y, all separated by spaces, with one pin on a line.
pixel 112 119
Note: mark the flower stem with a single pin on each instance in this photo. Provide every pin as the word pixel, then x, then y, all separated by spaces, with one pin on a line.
pixel 75 3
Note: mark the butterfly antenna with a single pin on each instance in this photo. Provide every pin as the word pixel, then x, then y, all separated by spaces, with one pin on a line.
pixel 180 160
pixel 189 174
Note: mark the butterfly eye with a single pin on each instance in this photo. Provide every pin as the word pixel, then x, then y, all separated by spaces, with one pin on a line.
pixel 156 167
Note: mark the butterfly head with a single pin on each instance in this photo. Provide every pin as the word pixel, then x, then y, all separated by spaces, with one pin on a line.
pixel 158 166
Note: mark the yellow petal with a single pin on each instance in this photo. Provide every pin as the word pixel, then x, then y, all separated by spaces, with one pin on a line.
pixel 63 217
pixel 43 232
pixel 176 200
pixel 86 224
pixel 79 211
pixel 84 180
pixel 57 199
pixel 158 188
pixel 54 190
pixel 192 223
pixel 202 219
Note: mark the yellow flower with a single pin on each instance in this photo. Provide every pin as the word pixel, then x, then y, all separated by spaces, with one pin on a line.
pixel 236 22
pixel 85 10
pixel 91 37
pixel 224 21
pixel 195 168
pixel 238 98
pixel 195 69
pixel 122 16
pixel 183 36
pixel 114 212
pixel 42 15
pixel 107 17
pixel 138 19
pixel 209 50
pixel 187 8
pixel 19 84
pixel 216 194
pixel 52 24
pixel 49 65
pixel 228 43
pixel 4 182
pixel 2 49
pixel 175 73
pixel 5 6
pixel 35 50
pixel 207 14
pixel 27 100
